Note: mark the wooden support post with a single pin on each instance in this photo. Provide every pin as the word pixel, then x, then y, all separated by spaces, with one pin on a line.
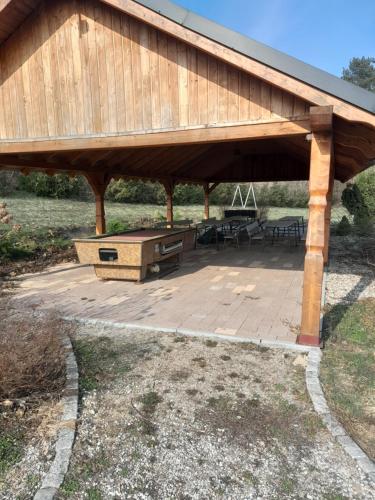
pixel 99 183
pixel 206 188
pixel 169 188
pixel 319 184
pixel 327 215
pixel 207 191
pixel 100 213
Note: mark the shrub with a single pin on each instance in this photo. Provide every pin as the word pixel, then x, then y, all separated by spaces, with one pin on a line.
pixel 56 186
pixel 364 225
pixel 343 227
pixel 281 194
pixel 9 250
pixel 188 195
pixel 31 357
pixel 17 243
pixel 354 201
pixel 8 182
pixel 366 184
pixel 135 192
pixel 116 226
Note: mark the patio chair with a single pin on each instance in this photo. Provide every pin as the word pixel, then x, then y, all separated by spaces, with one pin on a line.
pixel 233 235
pixel 206 234
pixel 254 232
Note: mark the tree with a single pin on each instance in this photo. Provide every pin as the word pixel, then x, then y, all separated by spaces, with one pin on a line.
pixel 361 72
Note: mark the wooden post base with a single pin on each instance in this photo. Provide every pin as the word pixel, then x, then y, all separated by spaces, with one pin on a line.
pixel 309 340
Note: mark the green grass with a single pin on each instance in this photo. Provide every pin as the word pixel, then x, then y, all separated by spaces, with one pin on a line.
pixel 348 368
pixel 33 212
pixel 99 361
pixel 94 494
pixel 70 486
pixel 10 450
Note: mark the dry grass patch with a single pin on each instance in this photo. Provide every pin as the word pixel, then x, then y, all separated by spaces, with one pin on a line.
pixel 32 362
pixel 32 377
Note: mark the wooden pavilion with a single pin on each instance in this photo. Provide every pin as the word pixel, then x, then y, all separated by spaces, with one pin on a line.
pixel 147 90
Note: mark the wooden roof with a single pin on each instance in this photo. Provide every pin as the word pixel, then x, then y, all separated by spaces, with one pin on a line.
pixel 264 54
pixel 12 14
pixel 261 134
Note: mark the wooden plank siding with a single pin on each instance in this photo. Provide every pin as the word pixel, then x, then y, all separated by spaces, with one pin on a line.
pixel 82 68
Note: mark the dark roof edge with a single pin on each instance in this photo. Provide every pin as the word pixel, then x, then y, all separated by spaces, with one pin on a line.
pixel 262 53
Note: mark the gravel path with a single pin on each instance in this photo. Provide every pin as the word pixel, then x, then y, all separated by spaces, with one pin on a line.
pixel 185 418
pixel 350 278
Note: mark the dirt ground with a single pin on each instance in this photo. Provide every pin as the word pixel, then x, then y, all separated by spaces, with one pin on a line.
pixel 37 263
pixel 178 417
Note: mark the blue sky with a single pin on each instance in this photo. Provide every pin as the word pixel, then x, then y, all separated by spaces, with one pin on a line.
pixel 324 33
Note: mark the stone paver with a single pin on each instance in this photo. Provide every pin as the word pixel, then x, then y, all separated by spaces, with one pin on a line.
pixel 254 293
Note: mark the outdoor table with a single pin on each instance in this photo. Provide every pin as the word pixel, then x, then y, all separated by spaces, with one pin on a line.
pixel 229 224
pixel 282 226
pixel 299 221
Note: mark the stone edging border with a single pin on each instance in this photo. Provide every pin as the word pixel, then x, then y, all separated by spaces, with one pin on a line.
pixel 275 344
pixel 321 407
pixel 64 444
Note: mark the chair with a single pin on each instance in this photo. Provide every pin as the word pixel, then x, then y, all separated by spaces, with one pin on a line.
pixel 234 235
pixel 205 233
pixel 255 232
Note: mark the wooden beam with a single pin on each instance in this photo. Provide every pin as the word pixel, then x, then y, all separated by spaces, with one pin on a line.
pixel 254 130
pixel 213 186
pixel 321 118
pixel 246 63
pixel 15 161
pixel 319 184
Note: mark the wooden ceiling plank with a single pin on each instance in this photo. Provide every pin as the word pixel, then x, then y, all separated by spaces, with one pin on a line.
pixel 186 156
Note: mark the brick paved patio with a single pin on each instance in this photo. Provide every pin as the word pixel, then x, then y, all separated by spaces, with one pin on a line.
pixel 251 292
